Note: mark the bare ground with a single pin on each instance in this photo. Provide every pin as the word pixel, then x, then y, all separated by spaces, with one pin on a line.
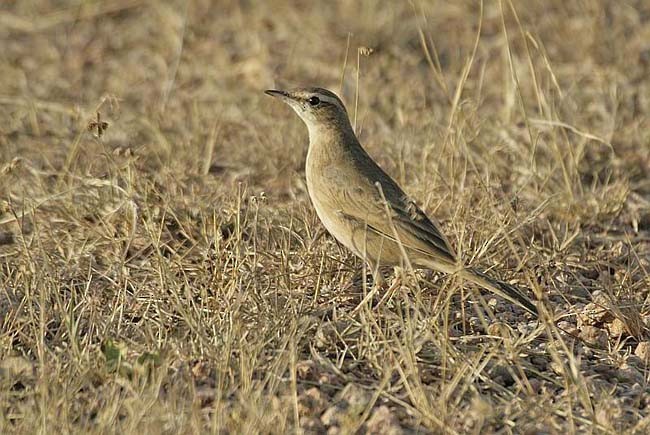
pixel 162 270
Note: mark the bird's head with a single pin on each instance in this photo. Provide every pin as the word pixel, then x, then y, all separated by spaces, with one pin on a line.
pixel 317 107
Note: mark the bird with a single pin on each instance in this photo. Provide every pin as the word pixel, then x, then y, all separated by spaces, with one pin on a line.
pixel 363 208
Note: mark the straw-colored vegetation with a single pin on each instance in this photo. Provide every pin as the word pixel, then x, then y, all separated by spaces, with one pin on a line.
pixel 162 269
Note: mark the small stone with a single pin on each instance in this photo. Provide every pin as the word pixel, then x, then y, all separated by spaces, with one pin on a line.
pixel 328 379
pixel 629 374
pixel 600 384
pixel 593 335
pixel 580 292
pixel 311 402
pixel 636 390
pixel 540 362
pixel 307 370
pixel 334 415
pixel 596 312
pixel 535 385
pixel 591 274
pixel 6 238
pixel 329 333
pixel 350 403
pixel 383 421
pixel 617 328
pixel 355 396
pixel 643 351
pixel 593 314
pixel 475 322
pixel 325 335
pixel 567 327
pixel 311 425
pixel 635 361
pixel 502 375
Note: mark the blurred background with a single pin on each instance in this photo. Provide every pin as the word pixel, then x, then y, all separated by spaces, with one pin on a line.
pixel 180 68
pixel 161 267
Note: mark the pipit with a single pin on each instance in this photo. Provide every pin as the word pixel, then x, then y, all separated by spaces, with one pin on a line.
pixel 363 207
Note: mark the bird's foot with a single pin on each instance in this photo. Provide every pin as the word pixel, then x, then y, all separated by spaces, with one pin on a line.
pixel 390 290
pixel 380 286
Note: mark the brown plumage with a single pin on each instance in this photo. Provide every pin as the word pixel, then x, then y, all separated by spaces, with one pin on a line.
pixel 348 188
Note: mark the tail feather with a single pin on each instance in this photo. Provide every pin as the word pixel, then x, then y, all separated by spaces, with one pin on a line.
pixel 500 288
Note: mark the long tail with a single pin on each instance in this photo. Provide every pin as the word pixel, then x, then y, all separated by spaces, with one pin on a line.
pixel 500 288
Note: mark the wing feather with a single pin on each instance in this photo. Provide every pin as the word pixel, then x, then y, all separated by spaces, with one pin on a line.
pixel 415 230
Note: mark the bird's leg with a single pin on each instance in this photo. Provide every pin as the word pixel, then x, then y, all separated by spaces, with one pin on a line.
pixel 380 284
pixel 367 277
pixel 397 282
pixel 377 277
pixel 377 284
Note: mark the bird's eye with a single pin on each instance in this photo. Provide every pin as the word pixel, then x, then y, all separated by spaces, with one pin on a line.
pixel 314 101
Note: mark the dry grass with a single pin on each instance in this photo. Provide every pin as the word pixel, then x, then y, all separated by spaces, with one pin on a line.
pixel 170 275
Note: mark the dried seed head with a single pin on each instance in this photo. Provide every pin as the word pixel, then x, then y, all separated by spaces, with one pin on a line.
pixel 365 51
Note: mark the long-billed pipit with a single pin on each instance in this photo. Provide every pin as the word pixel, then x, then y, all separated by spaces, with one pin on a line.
pixel 363 207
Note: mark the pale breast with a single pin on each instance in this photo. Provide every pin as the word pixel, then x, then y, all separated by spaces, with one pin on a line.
pixel 322 184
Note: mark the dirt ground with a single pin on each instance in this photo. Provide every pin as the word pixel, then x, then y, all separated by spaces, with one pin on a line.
pixel 163 271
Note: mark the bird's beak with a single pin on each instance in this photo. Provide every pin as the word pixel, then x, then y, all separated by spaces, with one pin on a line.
pixel 279 94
